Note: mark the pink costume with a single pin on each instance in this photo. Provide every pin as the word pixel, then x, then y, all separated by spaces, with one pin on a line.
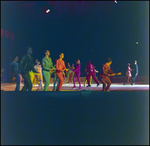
pixel 91 69
pixel 77 74
pixel 38 68
pixel 128 72
pixel 39 76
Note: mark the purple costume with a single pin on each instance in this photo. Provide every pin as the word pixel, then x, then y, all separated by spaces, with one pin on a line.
pixel 77 74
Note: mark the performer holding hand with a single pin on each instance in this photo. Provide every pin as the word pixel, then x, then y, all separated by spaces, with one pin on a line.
pixel 128 73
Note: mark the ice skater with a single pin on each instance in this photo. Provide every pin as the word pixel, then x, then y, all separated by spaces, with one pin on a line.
pixel 134 72
pixel 26 65
pixel 128 73
pixel 68 73
pixel 104 76
pixel 56 80
pixel 39 76
pixel 15 71
pixel 47 65
pixel 60 67
pixel 77 73
pixel 91 69
pixel 72 73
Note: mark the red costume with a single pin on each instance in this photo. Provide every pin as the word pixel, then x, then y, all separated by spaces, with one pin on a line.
pixel 91 70
pixel 105 76
pixel 60 66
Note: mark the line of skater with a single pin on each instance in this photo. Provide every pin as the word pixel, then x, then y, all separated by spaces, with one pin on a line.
pixel 36 73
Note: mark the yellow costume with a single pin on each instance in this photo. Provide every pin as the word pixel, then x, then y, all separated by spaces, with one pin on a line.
pixel 86 81
pixel 32 77
pixel 39 76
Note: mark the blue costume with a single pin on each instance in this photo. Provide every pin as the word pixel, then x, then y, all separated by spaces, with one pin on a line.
pixel 14 69
pixel 134 73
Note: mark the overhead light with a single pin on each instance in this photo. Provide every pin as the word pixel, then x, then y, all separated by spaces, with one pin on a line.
pixel 48 10
pixel 42 6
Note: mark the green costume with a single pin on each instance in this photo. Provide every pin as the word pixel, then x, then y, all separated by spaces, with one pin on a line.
pixel 47 65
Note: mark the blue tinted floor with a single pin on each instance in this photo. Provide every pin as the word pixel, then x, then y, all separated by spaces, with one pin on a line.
pixel 75 118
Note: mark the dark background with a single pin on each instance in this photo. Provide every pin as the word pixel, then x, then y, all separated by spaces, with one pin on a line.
pixel 75 118
pixel 80 29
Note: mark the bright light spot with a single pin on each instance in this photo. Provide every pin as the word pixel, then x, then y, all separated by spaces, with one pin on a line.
pixel 137 43
pixel 48 10
pixel 115 1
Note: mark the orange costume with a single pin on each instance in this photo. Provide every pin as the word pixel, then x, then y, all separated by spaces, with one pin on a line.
pixel 60 66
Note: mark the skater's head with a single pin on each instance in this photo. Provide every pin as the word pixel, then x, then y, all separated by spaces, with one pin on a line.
pixel 47 53
pixel 128 64
pixel 61 55
pixel 89 61
pixel 37 62
pixel 109 61
pixel 77 61
pixel 29 50
pixel 16 58
pixel 135 62
pixel 68 64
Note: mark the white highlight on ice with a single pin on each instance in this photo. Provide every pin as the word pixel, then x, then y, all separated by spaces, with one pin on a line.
pixel 95 85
